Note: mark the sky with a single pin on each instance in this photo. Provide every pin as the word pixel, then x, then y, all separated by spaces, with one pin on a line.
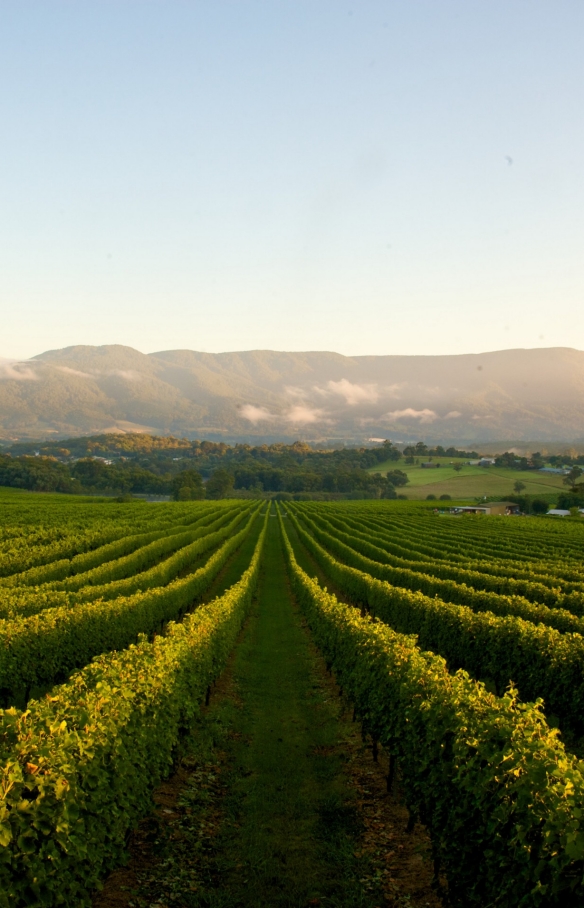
pixel 365 177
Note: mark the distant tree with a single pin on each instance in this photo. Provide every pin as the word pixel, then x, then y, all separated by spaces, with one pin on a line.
pixel 430 497
pixel 572 478
pixel 567 500
pixel 417 450
pixel 387 452
pixel 187 486
pixel 457 467
pixel 511 461
pixel 38 474
pixel 397 477
pixel 539 506
pixel 220 484
pixel 89 472
pixel 518 487
pixel 446 497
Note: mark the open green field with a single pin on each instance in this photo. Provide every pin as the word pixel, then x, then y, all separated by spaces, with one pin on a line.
pixel 471 482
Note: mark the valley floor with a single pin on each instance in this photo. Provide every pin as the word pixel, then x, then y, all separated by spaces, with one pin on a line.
pixel 472 481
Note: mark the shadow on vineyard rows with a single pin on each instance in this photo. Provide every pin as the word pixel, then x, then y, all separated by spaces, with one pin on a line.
pixel 276 801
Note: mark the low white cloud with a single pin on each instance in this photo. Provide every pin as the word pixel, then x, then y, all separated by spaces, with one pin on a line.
pixel 69 371
pixel 454 414
pixel 297 393
pixel 127 374
pixel 353 394
pixel 303 414
pixel 16 371
pixel 255 414
pixel 409 413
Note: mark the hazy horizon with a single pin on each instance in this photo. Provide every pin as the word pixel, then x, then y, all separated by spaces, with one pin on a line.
pixel 515 394
pixel 33 356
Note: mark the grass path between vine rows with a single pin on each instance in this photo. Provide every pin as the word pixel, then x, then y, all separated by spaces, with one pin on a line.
pixel 276 802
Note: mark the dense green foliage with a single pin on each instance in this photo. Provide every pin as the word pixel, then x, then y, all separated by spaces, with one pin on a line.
pixel 502 800
pixel 147 464
pixel 42 649
pixel 113 592
pixel 84 760
pixel 499 648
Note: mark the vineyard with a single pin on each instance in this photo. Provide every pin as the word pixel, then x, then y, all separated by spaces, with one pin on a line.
pixel 457 642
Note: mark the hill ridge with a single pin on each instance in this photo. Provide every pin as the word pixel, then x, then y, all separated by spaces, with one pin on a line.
pixel 272 395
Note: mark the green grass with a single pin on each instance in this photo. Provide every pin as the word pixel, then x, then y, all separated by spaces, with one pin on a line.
pixel 472 482
pixel 236 565
pixel 291 826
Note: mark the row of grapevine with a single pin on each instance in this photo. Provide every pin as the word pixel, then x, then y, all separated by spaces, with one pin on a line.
pixel 111 578
pixel 76 529
pixel 502 576
pixel 496 538
pixel 501 538
pixel 37 531
pixel 541 661
pixel 149 555
pixel 502 800
pixel 370 544
pixel 42 649
pixel 78 767
pixel 71 568
pixel 447 590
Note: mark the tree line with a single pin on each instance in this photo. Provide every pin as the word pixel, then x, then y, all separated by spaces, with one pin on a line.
pixel 190 470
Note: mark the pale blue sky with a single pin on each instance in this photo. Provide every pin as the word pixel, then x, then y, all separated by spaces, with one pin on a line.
pixel 367 177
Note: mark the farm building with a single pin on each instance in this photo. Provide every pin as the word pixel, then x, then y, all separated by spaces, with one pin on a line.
pixel 506 508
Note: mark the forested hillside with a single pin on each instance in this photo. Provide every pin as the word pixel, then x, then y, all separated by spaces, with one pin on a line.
pixel 266 395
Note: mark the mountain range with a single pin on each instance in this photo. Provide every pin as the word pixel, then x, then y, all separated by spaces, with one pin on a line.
pixel 264 395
